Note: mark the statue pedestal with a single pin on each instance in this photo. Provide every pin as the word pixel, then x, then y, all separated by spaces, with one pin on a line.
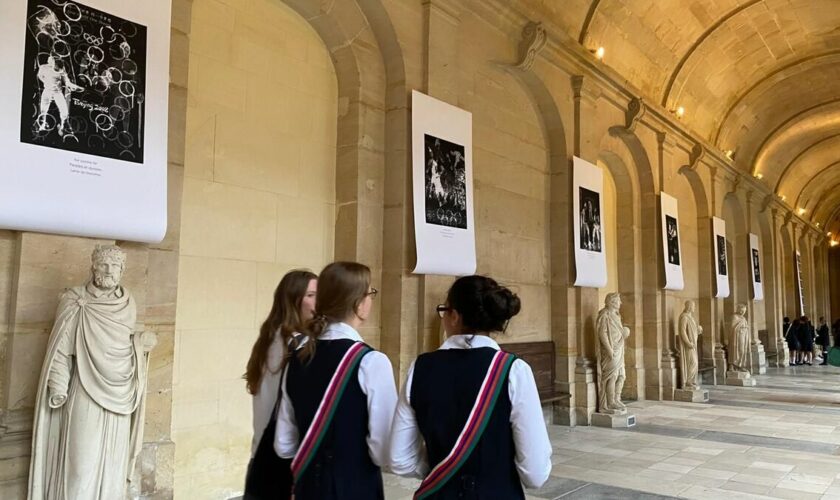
pixel 758 360
pixel 743 379
pixel 691 395
pixel 622 420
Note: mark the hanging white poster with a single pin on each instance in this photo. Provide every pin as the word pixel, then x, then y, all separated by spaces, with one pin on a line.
pixel 798 264
pixel 755 260
pixel 84 127
pixel 587 210
pixel 720 264
pixel 441 150
pixel 672 259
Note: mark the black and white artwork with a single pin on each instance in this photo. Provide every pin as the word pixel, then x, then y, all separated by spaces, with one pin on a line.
pixel 721 255
pixel 756 269
pixel 446 183
pixel 590 220
pixel 84 81
pixel 672 233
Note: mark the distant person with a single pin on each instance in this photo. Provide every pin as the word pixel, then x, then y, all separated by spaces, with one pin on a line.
pixel 806 341
pixel 789 333
pixel 470 383
pixel 822 340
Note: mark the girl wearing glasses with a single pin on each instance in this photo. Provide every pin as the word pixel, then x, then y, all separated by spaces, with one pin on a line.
pixel 469 419
pixel 336 418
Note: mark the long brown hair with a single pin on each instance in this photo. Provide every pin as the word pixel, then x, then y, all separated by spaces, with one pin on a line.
pixel 284 317
pixel 342 286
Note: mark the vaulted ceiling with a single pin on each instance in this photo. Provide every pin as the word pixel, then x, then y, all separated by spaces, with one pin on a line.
pixel 758 77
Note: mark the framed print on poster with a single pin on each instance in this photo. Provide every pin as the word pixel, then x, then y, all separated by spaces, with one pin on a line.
pixel 672 259
pixel 441 151
pixel 720 265
pixel 84 133
pixel 755 268
pixel 587 223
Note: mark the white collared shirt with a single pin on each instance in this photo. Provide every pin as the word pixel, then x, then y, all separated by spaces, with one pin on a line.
pixel 376 378
pixel 263 401
pixel 530 436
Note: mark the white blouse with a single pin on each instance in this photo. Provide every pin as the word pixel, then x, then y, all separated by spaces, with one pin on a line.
pixel 376 378
pixel 530 435
pixel 263 401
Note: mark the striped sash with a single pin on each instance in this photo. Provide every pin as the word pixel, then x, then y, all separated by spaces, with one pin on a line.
pixel 471 433
pixel 326 409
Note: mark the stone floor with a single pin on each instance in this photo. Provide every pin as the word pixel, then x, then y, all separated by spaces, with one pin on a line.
pixel 780 439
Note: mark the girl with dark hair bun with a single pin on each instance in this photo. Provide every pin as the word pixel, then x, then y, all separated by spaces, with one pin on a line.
pixel 469 420
pixel 335 418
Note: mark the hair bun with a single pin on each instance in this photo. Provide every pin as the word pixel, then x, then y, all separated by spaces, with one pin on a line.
pixel 501 304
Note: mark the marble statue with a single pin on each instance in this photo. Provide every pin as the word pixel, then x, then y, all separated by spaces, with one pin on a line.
pixel 738 348
pixel 88 427
pixel 687 335
pixel 610 352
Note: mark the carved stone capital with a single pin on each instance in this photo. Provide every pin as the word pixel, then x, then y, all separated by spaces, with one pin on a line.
pixel 734 183
pixel 533 40
pixel 636 110
pixel 697 153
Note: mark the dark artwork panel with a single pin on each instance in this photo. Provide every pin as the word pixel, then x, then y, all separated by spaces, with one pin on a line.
pixel 756 268
pixel 590 220
pixel 446 183
pixel 84 81
pixel 721 255
pixel 672 232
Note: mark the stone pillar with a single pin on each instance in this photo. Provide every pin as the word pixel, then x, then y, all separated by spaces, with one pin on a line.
pixel 585 299
pixel 720 328
pixel 669 302
pixel 758 359
pixel 774 273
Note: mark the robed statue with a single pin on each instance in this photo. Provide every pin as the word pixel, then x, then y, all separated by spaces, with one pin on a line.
pixel 738 348
pixel 88 427
pixel 611 335
pixel 687 335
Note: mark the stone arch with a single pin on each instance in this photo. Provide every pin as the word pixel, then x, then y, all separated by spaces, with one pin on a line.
pixel 563 321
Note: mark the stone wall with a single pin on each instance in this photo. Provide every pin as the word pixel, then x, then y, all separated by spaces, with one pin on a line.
pixel 259 200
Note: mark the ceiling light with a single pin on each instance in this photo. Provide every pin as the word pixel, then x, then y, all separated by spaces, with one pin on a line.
pixel 800 210
pixel 680 112
pixel 834 243
pixel 729 153
pixel 828 233
pixel 783 197
pixel 759 176
pixel 599 54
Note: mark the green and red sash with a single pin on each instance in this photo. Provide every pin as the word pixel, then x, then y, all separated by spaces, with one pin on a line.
pixel 482 409
pixel 326 409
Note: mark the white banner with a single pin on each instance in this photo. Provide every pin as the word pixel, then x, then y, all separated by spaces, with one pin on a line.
pixel 720 260
pixel 799 280
pixel 84 124
pixel 755 258
pixel 441 150
pixel 672 258
pixel 588 209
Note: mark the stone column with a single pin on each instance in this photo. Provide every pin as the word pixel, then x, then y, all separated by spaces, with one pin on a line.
pixel 758 359
pixel 774 272
pixel 669 302
pixel 720 328
pixel 585 299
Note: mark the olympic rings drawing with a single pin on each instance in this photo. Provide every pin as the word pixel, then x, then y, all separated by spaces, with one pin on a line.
pixel 72 11
pixel 126 88
pixel 103 122
pixel 100 55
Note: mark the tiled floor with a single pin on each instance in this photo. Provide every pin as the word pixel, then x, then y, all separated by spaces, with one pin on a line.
pixel 780 439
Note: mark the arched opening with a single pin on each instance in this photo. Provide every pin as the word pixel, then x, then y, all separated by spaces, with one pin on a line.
pixel 259 199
